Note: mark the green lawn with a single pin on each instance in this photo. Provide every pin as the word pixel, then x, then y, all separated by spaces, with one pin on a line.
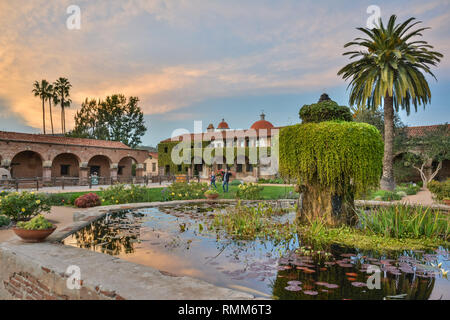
pixel 155 194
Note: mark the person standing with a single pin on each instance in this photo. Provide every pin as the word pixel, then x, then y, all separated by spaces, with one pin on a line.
pixel 226 179
pixel 213 180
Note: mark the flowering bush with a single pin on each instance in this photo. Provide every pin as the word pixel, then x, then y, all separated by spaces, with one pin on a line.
pixel 249 191
pixel 119 194
pixel 88 200
pixel 4 221
pixel 184 190
pixel 211 191
pixel 23 206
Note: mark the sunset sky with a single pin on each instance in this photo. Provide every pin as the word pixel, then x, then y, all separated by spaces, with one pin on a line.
pixel 197 59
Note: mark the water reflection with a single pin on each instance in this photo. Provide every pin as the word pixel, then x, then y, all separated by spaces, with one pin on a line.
pixel 175 239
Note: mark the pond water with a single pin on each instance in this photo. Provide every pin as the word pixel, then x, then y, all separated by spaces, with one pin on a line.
pixel 175 239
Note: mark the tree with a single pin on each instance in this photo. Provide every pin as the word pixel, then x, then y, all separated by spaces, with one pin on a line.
pixel 62 89
pixel 375 117
pixel 115 119
pixel 390 68
pixel 50 95
pixel 332 161
pixel 432 146
pixel 40 90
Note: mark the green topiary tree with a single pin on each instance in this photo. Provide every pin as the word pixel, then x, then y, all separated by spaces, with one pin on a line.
pixel 331 161
pixel 324 110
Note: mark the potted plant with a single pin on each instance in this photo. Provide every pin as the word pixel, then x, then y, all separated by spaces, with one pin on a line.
pixel 35 230
pixel 211 194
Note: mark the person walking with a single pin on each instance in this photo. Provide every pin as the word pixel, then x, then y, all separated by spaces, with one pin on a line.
pixel 226 179
pixel 213 180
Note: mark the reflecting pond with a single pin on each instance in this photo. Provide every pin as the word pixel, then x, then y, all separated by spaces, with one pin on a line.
pixel 176 239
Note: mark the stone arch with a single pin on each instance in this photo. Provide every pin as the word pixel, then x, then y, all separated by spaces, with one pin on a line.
pixel 101 165
pixel 125 167
pixel 66 165
pixel 27 164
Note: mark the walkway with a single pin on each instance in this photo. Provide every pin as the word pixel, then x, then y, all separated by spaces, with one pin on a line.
pixel 423 197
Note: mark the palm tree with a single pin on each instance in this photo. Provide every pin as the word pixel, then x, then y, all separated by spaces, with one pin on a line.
pixel 40 90
pixel 62 88
pixel 390 67
pixel 50 95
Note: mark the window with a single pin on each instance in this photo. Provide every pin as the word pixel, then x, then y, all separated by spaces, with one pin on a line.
pixel 120 170
pixel 154 166
pixel 239 168
pixel 166 149
pixel 65 169
pixel 179 168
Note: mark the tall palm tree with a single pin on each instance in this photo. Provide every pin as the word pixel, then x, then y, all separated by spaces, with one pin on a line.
pixel 390 67
pixel 62 88
pixel 40 90
pixel 50 95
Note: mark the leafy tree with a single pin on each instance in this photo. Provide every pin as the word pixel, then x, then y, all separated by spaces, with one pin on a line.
pixel 390 68
pixel 114 119
pixel 40 90
pixel 432 146
pixel 62 89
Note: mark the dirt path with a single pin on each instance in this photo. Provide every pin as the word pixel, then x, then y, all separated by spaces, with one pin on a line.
pixel 423 197
pixel 60 216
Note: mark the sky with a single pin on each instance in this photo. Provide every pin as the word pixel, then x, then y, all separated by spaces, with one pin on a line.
pixel 200 60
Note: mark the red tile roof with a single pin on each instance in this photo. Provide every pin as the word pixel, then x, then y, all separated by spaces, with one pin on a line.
pixel 420 130
pixel 154 155
pixel 41 138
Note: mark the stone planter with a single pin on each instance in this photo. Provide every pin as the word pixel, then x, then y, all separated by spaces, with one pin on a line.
pixel 33 235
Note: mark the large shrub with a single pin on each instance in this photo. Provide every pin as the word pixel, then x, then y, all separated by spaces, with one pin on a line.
pixel 331 161
pixel 249 191
pixel 23 206
pixel 327 110
pixel 120 193
pixel 88 200
pixel 184 190
pixel 441 190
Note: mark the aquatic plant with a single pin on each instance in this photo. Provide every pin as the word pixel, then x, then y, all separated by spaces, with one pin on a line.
pixel 249 223
pixel 405 222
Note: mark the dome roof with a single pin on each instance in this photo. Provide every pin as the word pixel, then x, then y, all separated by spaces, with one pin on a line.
pixel 223 125
pixel 262 124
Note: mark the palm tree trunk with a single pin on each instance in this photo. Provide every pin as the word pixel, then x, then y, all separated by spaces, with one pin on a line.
pixel 43 114
pixel 387 180
pixel 51 116
pixel 62 114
